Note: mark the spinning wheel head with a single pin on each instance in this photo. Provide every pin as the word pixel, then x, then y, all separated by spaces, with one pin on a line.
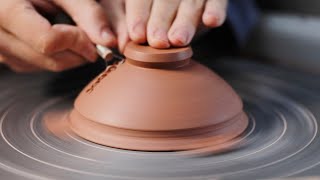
pixel 158 100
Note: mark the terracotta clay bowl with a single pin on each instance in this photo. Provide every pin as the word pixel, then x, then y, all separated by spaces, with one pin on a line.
pixel 158 100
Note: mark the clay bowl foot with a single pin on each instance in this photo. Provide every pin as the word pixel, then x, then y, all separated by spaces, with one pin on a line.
pixel 220 135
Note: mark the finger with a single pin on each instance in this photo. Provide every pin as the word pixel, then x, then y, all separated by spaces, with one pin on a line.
pixel 14 47
pixel 90 16
pixel 123 35
pixel 116 11
pixel 21 19
pixel 18 65
pixel 18 49
pixel 137 14
pixel 38 29
pixel 62 37
pixel 161 18
pixel 214 13
pixel 186 22
pixel 67 60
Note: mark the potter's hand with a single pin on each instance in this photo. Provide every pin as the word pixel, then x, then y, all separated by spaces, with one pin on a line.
pixel 165 23
pixel 29 42
pixel 115 10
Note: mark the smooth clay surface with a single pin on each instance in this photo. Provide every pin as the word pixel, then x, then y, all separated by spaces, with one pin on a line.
pixel 159 104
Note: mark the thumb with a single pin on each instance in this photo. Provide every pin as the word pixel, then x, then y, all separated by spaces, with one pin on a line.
pixel 91 18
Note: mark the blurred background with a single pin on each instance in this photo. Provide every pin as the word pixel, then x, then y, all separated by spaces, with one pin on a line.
pixel 284 33
pixel 288 34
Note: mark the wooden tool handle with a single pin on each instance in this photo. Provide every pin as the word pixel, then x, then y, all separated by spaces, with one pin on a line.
pixel 104 52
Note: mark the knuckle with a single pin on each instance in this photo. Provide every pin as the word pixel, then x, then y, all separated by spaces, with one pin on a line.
pixel 43 43
pixel 47 42
pixel 47 63
pixel 56 68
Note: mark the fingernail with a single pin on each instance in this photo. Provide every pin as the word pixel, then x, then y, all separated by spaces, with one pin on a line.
pixel 160 39
pixel 213 19
pixel 139 33
pixel 108 37
pixel 180 37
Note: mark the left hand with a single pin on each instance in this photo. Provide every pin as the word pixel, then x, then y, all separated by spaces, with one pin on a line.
pixel 29 42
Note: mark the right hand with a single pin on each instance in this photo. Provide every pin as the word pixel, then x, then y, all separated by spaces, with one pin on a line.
pixel 28 42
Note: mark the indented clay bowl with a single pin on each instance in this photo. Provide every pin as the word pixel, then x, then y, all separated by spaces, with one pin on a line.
pixel 158 100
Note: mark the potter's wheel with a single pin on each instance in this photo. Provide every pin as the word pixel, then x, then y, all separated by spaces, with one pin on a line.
pixel 282 138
